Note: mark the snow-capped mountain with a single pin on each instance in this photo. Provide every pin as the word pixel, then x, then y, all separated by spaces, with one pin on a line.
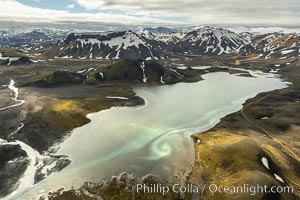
pixel 210 41
pixel 160 42
pixel 108 45
pixel 161 35
pixel 30 41
pixel 247 36
pixel 153 32
pixel 274 45
pixel 264 30
pixel 148 44
pixel 198 41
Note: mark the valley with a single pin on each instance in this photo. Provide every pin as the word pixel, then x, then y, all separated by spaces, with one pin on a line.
pixel 67 80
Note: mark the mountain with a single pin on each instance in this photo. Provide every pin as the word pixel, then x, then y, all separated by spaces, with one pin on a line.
pixel 164 37
pixel 274 45
pixel 161 42
pixel 58 78
pixel 140 71
pixel 264 29
pixel 247 36
pixel 10 57
pixel 109 45
pixel 199 41
pixel 209 41
pixel 125 71
pixel 31 41
pixel 148 44
pixel 153 32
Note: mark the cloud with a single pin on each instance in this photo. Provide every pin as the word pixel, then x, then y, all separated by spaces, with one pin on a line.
pixel 161 12
pixel 12 10
pixel 209 11
pixel 71 6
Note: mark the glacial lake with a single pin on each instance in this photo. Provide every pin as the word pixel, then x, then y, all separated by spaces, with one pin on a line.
pixel 155 138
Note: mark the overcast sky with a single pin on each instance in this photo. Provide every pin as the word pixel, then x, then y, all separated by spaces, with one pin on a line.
pixel 154 12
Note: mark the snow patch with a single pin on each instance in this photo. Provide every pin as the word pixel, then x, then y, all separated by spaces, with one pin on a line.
pixel 278 178
pixel 282 58
pixel 102 75
pixel 123 98
pixel 201 67
pixel 265 162
pixel 173 70
pixel 284 52
pixel 143 69
pixel 183 67
pixel 3 58
pixel 86 70
pixel 161 80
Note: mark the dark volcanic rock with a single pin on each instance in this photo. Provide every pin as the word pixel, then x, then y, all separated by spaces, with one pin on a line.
pixel 13 57
pixel 133 101
pixel 58 163
pixel 140 71
pixel 61 77
pixel 119 187
pixel 17 61
pixel 13 164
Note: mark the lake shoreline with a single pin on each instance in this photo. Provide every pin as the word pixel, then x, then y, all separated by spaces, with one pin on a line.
pixel 32 118
pixel 134 102
pixel 262 124
pixel 249 97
